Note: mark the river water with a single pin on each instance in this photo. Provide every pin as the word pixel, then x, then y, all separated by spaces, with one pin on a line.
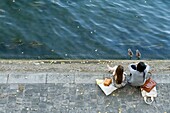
pixel 84 29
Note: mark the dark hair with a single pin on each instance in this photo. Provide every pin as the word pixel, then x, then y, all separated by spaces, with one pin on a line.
pixel 119 74
pixel 141 66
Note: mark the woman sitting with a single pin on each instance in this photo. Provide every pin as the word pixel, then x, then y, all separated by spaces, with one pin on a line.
pixel 119 76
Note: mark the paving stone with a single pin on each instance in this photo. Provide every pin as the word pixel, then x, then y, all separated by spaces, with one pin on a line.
pixel 2 110
pixel 3 78
pixel 79 103
pixel 54 110
pixel 100 109
pixel 86 98
pixel 93 104
pixel 35 100
pixel 79 99
pixel 52 89
pixel 28 92
pixel 2 105
pixel 12 110
pixel 66 96
pixel 72 98
pixel 3 100
pixel 11 99
pixel 43 93
pixel 100 100
pixel 4 88
pixel 65 102
pixel 92 95
pixel 85 110
pixel 42 105
pixel 92 110
pixel 63 90
pixel 43 99
pixel 19 100
pixel 109 109
pixel 27 104
pixel 71 111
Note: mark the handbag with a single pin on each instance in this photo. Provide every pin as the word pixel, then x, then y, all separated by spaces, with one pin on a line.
pixel 148 85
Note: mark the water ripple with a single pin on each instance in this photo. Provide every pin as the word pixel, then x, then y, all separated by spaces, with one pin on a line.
pixel 85 29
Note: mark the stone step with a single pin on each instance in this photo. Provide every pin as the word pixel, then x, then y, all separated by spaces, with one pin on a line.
pixel 79 78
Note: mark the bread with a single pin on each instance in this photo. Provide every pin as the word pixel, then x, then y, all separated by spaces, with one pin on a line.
pixel 107 81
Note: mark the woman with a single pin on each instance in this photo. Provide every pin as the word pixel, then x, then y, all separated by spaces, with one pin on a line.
pixel 119 76
pixel 138 73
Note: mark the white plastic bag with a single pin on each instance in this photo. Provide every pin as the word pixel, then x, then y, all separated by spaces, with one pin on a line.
pixel 151 95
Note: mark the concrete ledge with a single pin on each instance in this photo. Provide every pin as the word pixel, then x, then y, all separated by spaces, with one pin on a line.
pixel 27 78
pixel 89 77
pixel 71 71
pixel 85 78
pixel 60 78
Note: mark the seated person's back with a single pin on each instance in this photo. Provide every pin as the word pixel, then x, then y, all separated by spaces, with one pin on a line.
pixel 138 74
pixel 119 76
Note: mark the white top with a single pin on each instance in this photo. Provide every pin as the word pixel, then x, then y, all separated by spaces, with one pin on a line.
pixel 137 78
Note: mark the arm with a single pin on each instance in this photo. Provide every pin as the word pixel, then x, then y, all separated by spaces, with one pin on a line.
pixel 114 71
pixel 111 69
pixel 147 68
pixel 124 82
pixel 130 68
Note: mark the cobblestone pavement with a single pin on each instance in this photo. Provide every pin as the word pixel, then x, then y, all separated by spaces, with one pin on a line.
pixel 78 98
pixel 69 87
